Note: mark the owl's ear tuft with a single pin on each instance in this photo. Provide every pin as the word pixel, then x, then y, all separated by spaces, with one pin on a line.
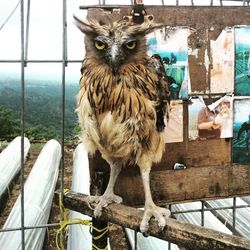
pixel 84 27
pixel 144 28
pixel 149 25
pixel 147 28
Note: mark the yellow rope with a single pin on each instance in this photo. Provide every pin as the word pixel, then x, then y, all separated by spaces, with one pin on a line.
pixel 94 247
pixel 76 221
pixel 62 210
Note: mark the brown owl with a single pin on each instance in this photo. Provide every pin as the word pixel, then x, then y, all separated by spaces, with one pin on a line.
pixel 122 102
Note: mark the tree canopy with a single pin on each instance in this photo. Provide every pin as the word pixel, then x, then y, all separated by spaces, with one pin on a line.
pixel 8 125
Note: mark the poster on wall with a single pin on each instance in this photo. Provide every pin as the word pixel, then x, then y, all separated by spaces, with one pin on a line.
pixel 172 46
pixel 241 131
pixel 242 60
pixel 174 129
pixel 209 119
pixel 194 107
pixel 222 54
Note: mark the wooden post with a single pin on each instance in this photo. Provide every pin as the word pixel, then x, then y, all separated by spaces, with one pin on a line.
pixel 98 187
pixel 181 233
pixel 117 238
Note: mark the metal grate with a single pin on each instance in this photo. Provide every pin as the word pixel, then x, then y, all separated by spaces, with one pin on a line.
pixel 24 61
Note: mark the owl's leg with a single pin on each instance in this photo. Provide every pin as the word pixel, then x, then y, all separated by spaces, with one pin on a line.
pixel 108 196
pixel 150 209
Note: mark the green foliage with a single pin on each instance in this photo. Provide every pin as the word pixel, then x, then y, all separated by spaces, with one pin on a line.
pixel 40 132
pixel 43 109
pixel 8 125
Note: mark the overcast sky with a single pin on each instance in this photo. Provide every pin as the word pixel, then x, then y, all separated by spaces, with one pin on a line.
pixel 45 34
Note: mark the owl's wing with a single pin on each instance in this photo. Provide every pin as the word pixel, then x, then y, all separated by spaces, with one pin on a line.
pixel 162 91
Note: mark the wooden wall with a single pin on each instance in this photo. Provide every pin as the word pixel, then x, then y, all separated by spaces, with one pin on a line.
pixel 210 172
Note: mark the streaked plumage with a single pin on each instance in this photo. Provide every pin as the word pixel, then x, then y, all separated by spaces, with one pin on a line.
pixel 122 102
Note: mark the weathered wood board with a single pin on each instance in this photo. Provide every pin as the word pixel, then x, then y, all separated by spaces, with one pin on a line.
pixel 210 172
pixel 181 233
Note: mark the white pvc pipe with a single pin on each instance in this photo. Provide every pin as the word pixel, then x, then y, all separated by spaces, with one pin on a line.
pixel 38 195
pixel 10 162
pixel 79 236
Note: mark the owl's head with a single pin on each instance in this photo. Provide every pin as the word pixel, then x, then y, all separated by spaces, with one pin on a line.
pixel 115 43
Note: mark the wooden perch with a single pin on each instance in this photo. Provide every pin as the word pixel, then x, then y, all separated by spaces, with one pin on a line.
pixel 188 235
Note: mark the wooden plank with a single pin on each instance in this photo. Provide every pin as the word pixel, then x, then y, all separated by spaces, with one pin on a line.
pixel 174 152
pixel 198 154
pixel 197 42
pixel 169 186
pixel 188 235
pixel 173 186
pixel 191 153
pixel 97 187
pixel 206 175
pixel 186 185
pixel 117 238
pixel 213 152
pixel 194 16
pixel 239 180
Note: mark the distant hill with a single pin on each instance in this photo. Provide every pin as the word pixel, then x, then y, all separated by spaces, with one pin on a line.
pixel 43 108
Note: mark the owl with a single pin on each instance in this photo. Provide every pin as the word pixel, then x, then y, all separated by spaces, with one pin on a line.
pixel 121 105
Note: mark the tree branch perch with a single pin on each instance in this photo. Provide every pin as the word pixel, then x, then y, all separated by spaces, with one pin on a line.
pixel 188 235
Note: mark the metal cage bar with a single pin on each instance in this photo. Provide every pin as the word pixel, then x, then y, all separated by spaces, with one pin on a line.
pixel 64 62
pixel 22 121
pixel 41 61
pixel 27 32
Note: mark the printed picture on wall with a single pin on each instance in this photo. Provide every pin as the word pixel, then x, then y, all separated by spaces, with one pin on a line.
pixel 241 131
pixel 174 128
pixel 242 61
pixel 194 107
pixel 210 119
pixel 222 54
pixel 171 45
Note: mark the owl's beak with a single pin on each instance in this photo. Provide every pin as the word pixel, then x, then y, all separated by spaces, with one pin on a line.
pixel 115 58
pixel 114 66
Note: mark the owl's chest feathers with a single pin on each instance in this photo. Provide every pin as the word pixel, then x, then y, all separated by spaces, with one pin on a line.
pixel 131 93
pixel 117 113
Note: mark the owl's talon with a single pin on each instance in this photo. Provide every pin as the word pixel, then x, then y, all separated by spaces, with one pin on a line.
pixel 159 213
pixel 92 199
pixel 102 201
pixel 145 234
pixel 161 228
pixel 144 227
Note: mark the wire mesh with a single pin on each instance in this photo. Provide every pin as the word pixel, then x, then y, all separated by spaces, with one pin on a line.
pixel 22 123
pixel 24 61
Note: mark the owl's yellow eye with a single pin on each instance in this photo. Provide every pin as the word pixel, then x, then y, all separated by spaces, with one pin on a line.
pixel 131 45
pixel 100 45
